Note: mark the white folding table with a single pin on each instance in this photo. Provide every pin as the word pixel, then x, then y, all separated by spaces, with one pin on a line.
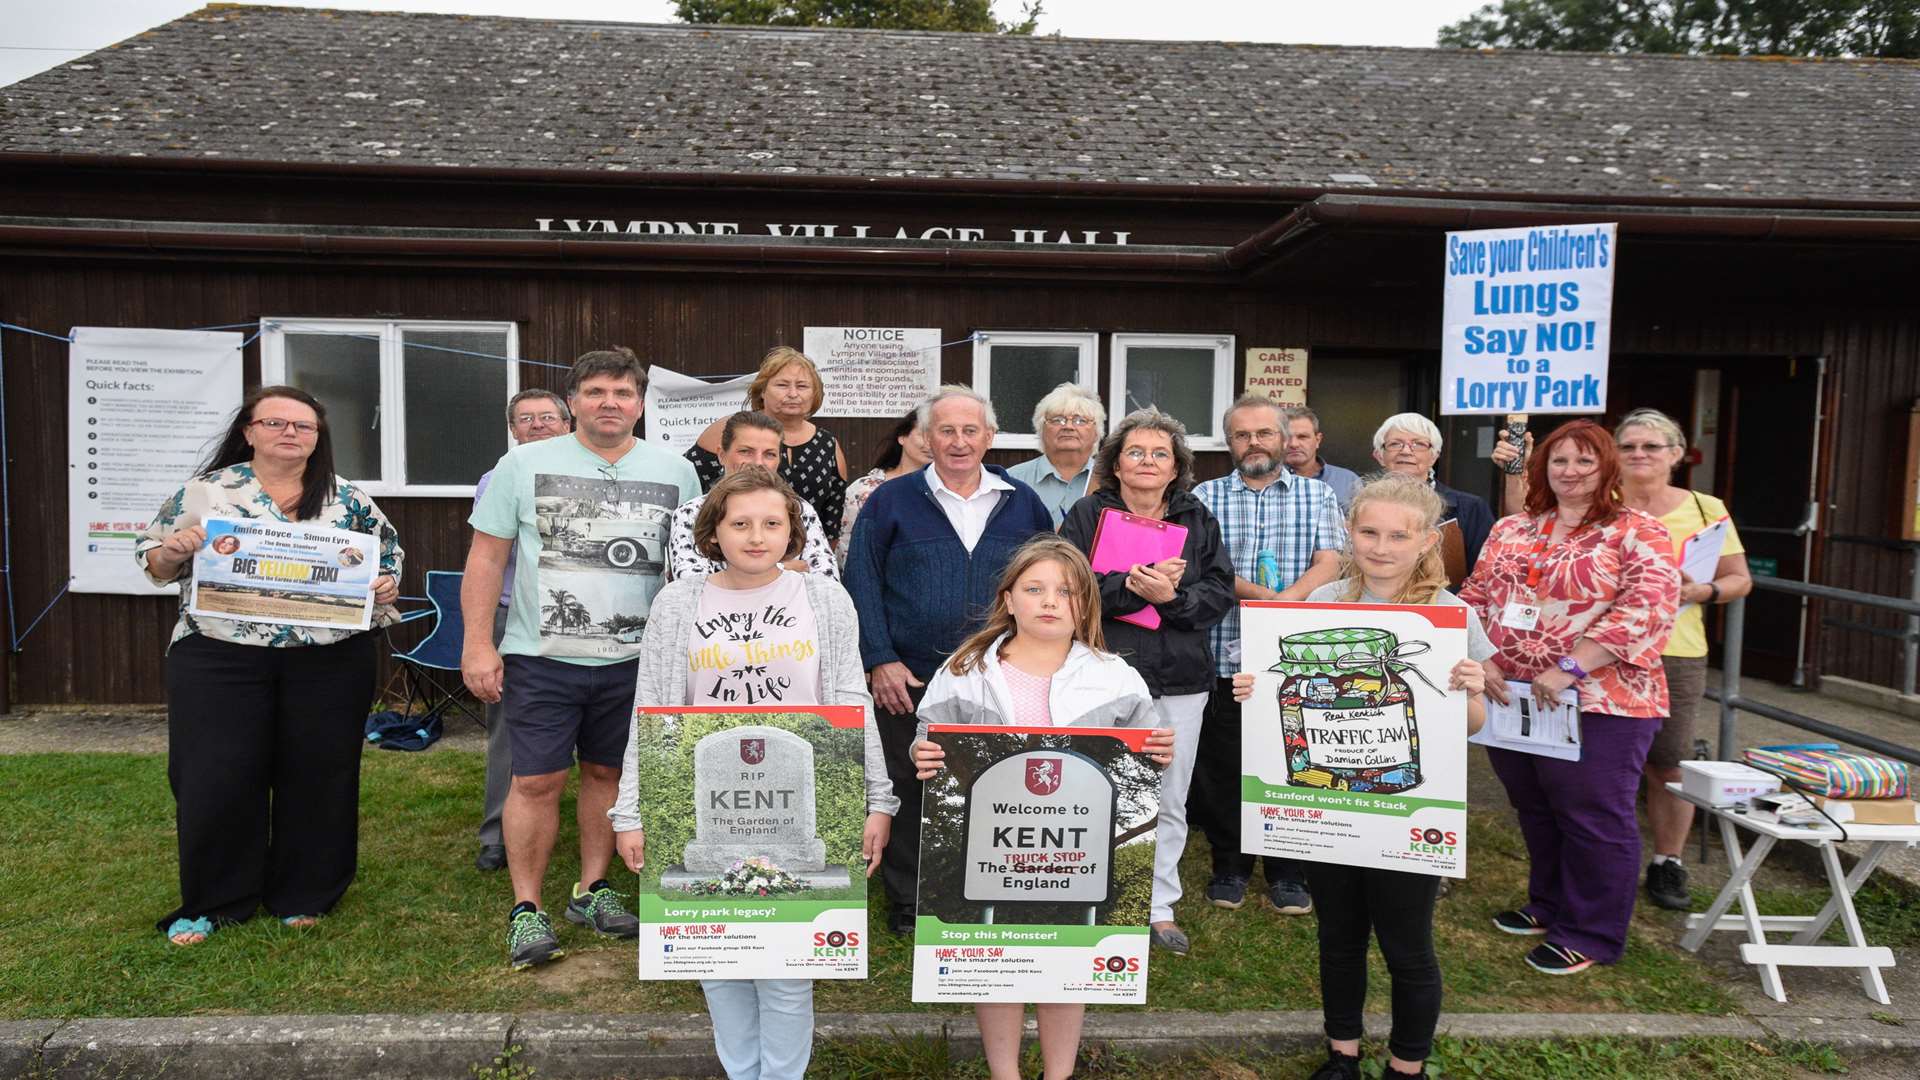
pixel 1801 951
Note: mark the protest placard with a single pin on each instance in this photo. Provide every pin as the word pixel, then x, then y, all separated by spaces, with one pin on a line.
pixel 753 820
pixel 1352 750
pixel 879 371
pixel 285 572
pixel 1528 320
pixel 1036 866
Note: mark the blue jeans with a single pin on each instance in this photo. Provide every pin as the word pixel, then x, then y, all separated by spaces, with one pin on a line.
pixel 762 1028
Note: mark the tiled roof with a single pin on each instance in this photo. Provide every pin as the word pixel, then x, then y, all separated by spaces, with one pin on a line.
pixel 310 86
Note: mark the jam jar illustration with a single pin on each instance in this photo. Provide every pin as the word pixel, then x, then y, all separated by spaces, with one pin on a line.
pixel 1346 715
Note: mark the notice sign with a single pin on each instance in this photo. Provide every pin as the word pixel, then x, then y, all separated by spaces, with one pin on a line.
pixel 879 371
pixel 1036 866
pixel 144 408
pixel 680 407
pixel 286 572
pixel 1352 751
pixel 753 822
pixel 1528 320
pixel 1281 374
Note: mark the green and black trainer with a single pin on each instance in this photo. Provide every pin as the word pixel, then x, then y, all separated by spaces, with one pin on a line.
pixel 530 937
pixel 599 909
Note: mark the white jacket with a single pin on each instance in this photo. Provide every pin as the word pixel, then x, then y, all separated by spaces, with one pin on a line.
pixel 1092 689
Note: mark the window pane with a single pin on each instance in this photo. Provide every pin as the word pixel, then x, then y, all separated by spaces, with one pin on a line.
pixel 456 423
pixel 1179 381
pixel 344 373
pixel 1022 375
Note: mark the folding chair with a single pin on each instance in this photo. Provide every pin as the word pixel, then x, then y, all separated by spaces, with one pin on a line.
pixel 424 667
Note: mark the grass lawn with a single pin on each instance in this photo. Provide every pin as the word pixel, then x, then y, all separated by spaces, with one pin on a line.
pixel 90 865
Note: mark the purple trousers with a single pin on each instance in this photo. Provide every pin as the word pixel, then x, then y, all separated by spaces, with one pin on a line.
pixel 1583 844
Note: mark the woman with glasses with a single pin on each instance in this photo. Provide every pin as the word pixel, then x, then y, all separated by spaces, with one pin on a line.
pixel 1068 421
pixel 789 389
pixel 1146 470
pixel 1409 444
pixel 265 721
pixel 1651 446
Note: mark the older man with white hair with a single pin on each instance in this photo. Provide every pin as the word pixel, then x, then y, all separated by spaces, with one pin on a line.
pixel 1068 421
pixel 1409 444
pixel 927 553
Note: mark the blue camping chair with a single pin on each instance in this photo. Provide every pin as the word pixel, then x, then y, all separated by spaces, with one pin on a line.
pixel 425 666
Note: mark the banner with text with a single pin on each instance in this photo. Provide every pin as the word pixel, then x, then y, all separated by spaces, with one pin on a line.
pixel 753 822
pixel 1036 866
pixel 879 371
pixel 144 407
pixel 1351 750
pixel 1528 321
pixel 679 407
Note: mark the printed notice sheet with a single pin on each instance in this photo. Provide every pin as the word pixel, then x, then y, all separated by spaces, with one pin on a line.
pixel 270 571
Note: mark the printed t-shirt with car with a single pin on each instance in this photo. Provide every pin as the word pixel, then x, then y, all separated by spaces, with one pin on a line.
pixel 591 544
pixel 754 646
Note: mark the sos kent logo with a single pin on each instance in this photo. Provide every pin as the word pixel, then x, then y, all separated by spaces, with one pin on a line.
pixel 1116 969
pixel 836 943
pixel 1432 841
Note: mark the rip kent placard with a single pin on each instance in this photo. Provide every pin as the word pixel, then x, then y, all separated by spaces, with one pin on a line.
pixel 1036 866
pixel 1528 320
pixel 1352 749
pixel 266 570
pixel 753 820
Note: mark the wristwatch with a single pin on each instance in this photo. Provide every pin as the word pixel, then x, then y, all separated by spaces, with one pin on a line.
pixel 1572 667
pixel 1713 593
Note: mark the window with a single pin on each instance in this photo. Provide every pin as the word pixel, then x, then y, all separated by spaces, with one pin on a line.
pixel 1016 370
pixel 1187 375
pixel 408 416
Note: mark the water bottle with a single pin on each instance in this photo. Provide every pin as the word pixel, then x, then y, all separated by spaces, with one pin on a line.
pixel 1266 570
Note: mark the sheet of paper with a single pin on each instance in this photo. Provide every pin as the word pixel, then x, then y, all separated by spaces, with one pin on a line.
pixel 1522 725
pixel 1701 553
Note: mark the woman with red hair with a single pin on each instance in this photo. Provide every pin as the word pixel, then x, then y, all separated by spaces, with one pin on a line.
pixel 1579 591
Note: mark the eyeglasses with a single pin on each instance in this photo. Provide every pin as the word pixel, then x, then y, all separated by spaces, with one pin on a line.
pixel 1137 455
pixel 1265 434
pixel 1644 447
pixel 1069 421
pixel 530 419
pixel 1399 445
pixel 277 425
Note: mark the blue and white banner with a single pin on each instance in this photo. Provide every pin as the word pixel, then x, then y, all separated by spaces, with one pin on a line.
pixel 1528 320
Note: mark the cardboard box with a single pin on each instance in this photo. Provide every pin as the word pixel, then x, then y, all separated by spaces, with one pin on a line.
pixel 1871 811
pixel 1725 783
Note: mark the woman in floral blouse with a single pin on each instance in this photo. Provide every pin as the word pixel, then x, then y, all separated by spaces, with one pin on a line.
pixel 1580 591
pixel 265 721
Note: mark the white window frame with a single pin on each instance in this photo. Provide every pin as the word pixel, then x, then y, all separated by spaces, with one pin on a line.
pixel 985 340
pixel 1222 346
pixel 392 408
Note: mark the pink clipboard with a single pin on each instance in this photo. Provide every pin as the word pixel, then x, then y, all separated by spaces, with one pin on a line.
pixel 1122 541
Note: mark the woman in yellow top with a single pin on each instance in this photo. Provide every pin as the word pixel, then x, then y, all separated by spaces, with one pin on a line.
pixel 1651 446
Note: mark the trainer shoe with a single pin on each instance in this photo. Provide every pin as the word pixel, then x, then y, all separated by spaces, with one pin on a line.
pixel 1172 939
pixel 530 938
pixel 1338 1066
pixel 1290 897
pixel 1519 922
pixel 1557 960
pixel 1227 891
pixel 1667 886
pixel 599 909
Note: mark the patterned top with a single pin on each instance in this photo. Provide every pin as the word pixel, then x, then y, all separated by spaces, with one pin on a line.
pixel 236 493
pixel 1030 696
pixel 811 469
pixel 1614 584
pixel 685 559
pixel 1293 517
pixel 857 491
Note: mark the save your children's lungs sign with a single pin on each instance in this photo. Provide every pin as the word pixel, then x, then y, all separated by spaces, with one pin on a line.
pixel 1352 750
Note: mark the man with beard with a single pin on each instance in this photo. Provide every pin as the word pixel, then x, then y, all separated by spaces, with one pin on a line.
pixel 1284 534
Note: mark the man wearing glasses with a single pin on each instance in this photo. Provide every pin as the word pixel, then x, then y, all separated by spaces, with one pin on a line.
pixel 532 415
pixel 1068 421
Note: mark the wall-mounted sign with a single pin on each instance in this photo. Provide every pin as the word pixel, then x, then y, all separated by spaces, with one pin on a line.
pixel 962 234
pixel 1281 374
pixel 877 371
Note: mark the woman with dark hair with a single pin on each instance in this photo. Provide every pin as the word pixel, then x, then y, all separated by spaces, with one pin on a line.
pixel 1146 469
pixel 1578 592
pixel 904 451
pixel 265 721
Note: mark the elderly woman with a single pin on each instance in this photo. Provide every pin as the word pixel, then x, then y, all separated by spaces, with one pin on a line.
pixel 1068 421
pixel 1579 592
pixel 788 388
pixel 1409 444
pixel 1651 446
pixel 905 450
pixel 265 721
pixel 1146 470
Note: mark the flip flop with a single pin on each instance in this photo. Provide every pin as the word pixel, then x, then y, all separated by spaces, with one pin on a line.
pixel 299 922
pixel 182 928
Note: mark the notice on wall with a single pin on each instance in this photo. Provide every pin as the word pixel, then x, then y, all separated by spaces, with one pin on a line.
pixel 879 371
pixel 680 407
pixel 1528 320
pixel 1280 374
pixel 1036 866
pixel 753 825
pixel 144 408
pixel 1352 749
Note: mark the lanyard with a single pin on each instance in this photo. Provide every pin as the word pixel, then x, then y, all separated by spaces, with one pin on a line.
pixel 1536 560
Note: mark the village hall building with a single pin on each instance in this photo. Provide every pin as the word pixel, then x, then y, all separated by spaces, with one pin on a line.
pixel 1135 215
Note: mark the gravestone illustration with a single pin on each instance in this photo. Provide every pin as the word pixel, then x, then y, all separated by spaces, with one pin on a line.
pixel 753 793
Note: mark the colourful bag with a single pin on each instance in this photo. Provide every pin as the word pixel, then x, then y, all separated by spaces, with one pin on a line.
pixel 1826 770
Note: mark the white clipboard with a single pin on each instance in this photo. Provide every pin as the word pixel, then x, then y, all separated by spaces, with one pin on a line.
pixel 1529 729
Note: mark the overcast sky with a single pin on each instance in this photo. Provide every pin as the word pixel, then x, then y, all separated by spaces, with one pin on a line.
pixel 39 34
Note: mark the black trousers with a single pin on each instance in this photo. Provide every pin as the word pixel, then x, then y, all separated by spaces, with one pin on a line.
pixel 900 862
pixel 263 755
pixel 1213 799
pixel 1397 909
